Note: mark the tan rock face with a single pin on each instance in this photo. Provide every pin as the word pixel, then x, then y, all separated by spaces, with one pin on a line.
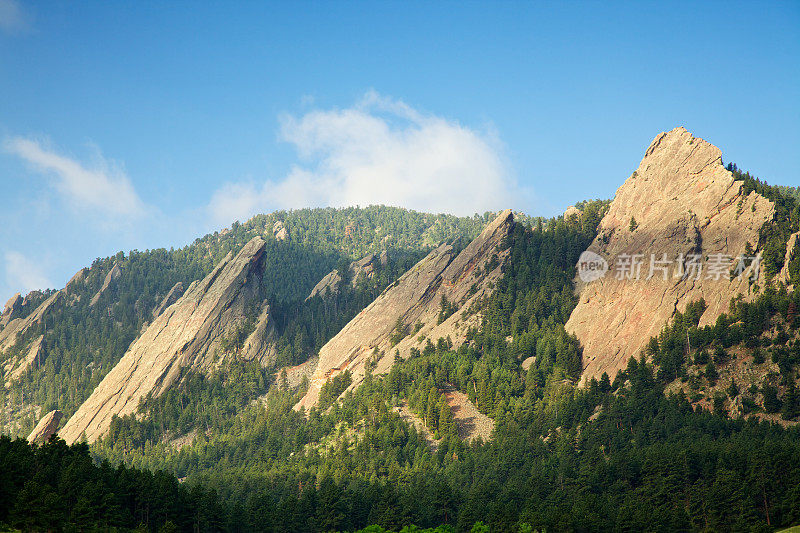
pixel 79 276
pixel 188 333
pixel 328 284
pixel 46 427
pixel 15 368
pixel 679 201
pixel 172 296
pixel 259 344
pixel 280 231
pixel 572 211
pixel 110 278
pixel 363 267
pixel 8 335
pixel 791 249
pixel 415 298
pixel 13 304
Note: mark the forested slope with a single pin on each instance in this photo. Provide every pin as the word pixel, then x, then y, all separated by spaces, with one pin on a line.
pixel 89 329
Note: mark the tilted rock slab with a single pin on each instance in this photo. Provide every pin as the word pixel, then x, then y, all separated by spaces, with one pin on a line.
pixel 415 297
pixel 18 326
pixel 46 427
pixel 15 367
pixel 363 267
pixel 172 296
pixel 791 250
pixel 683 201
pixel 187 334
pixel 112 276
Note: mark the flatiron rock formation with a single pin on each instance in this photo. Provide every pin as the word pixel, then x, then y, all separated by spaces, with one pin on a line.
pixel 33 351
pixel 14 368
pixel 414 299
pixel 363 267
pixel 188 333
pixel 46 427
pixel 681 201
pixel 172 296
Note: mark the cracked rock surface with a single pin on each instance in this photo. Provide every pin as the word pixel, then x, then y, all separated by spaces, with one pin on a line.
pixel 187 333
pixel 683 201
pixel 415 299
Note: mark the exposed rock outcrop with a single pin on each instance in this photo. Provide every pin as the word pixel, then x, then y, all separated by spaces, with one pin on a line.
pixel 189 333
pixel 572 211
pixel 46 427
pixel 791 250
pixel 110 278
pixel 12 305
pixel 79 276
pixel 415 299
pixel 172 296
pixel 327 285
pixel 18 326
pixel 680 201
pixel 363 267
pixel 15 368
pixel 260 345
pixel 280 231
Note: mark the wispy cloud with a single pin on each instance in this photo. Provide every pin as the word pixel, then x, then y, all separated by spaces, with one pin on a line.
pixel 104 188
pixel 379 151
pixel 24 274
pixel 12 19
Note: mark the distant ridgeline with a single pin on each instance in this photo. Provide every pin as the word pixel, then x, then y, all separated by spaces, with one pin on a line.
pixel 489 430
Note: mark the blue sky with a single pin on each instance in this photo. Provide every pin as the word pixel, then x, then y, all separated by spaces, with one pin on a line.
pixel 140 125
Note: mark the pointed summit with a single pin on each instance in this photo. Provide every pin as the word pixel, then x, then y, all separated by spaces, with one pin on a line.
pixel 679 202
pixel 371 340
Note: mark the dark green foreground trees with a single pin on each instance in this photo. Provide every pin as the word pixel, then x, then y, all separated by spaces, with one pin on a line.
pixel 55 487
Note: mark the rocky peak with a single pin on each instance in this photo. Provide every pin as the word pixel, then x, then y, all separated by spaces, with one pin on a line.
pixel 8 335
pixel 12 305
pixel 369 341
pixel 188 333
pixel 681 202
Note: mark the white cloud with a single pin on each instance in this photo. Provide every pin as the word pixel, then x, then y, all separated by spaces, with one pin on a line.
pixel 379 151
pixel 12 19
pixel 23 274
pixel 104 188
